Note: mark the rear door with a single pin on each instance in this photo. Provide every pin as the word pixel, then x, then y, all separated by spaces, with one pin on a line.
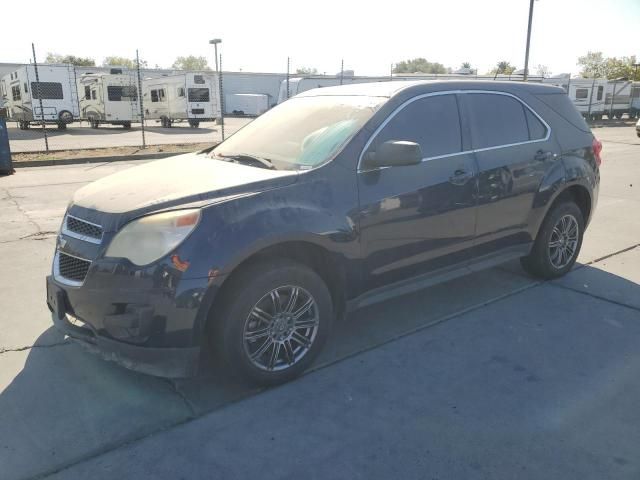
pixel 514 150
pixel 418 218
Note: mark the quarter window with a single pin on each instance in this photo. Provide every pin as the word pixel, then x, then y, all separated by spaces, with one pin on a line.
pixel 49 90
pixel 537 130
pixel 496 120
pixel 582 93
pixel 433 122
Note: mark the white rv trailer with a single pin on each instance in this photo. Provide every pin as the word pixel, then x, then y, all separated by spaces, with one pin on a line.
pixel 634 112
pixel 618 98
pixel 175 98
pixel 587 94
pixel 108 99
pixel 251 104
pixel 20 92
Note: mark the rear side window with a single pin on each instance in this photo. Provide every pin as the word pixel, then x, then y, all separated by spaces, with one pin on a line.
pixel 49 90
pixel 122 93
pixel 432 122
pixel 496 120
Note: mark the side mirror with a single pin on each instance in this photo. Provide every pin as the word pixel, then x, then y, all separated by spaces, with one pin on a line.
pixel 393 153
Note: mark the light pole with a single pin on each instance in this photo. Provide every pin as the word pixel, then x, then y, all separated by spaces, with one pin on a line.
pixel 526 53
pixel 215 43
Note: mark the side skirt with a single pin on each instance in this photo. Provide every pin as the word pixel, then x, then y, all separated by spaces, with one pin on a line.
pixel 426 280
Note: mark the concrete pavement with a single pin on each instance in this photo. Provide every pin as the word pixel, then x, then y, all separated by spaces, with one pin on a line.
pixel 489 376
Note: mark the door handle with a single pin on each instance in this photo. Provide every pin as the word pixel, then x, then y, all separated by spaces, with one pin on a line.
pixel 460 177
pixel 542 156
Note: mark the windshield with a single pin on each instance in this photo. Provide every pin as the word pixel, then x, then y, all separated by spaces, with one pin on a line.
pixel 302 132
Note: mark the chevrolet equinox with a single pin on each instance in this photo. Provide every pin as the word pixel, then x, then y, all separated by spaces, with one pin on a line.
pixel 338 198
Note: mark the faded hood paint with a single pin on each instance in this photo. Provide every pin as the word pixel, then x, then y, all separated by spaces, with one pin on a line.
pixel 176 181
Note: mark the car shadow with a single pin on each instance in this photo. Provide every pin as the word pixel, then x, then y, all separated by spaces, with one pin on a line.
pixel 65 403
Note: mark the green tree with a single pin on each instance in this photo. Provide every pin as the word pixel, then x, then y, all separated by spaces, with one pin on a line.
pixel 419 65
pixel 503 68
pixel 72 59
pixel 596 65
pixel 466 65
pixel 191 62
pixel 306 71
pixel 116 61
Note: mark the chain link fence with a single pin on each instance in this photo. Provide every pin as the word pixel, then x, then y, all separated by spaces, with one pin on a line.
pixel 68 110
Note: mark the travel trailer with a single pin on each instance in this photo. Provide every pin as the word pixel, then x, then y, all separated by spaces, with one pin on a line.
pixel 635 100
pixel 302 84
pixel 109 98
pixel 618 98
pixel 56 87
pixel 251 104
pixel 185 96
pixel 587 94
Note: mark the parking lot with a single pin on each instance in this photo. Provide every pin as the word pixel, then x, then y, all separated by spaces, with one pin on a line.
pixel 494 375
pixel 80 135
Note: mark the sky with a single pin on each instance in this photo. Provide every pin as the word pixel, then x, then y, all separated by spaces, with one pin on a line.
pixel 259 35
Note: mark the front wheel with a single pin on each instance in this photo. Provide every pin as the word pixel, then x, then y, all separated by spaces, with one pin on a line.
pixel 558 243
pixel 273 321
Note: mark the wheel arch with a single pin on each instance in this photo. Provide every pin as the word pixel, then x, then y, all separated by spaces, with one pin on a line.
pixel 575 192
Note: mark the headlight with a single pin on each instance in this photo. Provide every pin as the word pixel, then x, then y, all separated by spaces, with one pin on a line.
pixel 149 238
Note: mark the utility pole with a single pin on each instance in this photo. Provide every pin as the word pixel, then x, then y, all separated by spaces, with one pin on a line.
pixel 526 54
pixel 140 99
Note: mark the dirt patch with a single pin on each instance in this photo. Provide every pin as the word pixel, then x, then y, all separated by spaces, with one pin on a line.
pixel 26 157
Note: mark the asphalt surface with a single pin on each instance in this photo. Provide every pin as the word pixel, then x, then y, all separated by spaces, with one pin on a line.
pixel 494 375
pixel 79 135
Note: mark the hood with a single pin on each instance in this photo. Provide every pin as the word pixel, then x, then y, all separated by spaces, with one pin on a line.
pixel 176 181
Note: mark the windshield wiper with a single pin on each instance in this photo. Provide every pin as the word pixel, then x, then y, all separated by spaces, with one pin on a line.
pixel 248 158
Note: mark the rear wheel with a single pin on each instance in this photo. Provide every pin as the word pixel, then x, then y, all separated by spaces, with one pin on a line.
pixel 126 125
pixel 558 243
pixel 273 321
pixel 194 123
pixel 62 126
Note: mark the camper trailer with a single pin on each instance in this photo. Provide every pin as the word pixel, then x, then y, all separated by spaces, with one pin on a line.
pixel 108 98
pixel 587 94
pixel 634 112
pixel 56 88
pixel 302 84
pixel 175 98
pixel 618 98
pixel 250 104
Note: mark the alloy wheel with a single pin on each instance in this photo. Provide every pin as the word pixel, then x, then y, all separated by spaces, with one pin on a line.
pixel 564 241
pixel 281 328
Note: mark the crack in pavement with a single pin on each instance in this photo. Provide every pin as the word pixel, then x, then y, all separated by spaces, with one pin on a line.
pixel 176 389
pixel 14 200
pixel 30 347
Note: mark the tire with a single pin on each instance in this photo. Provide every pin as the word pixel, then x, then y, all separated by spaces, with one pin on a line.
pixel 126 125
pixel 163 122
pixel 236 317
pixel 543 261
pixel 194 123
pixel 94 123
pixel 65 117
pixel 618 115
pixel 62 126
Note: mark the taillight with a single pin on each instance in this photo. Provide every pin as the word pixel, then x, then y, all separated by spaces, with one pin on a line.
pixel 597 149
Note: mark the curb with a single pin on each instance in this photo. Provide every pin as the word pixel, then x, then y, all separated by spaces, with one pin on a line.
pixel 77 161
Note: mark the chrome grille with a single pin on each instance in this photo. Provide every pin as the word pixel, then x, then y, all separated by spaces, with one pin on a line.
pixel 82 229
pixel 72 268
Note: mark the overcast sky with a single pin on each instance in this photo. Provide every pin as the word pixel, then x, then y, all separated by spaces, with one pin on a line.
pixel 369 35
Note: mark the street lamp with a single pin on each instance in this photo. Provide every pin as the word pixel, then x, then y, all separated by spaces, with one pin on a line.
pixel 526 54
pixel 215 43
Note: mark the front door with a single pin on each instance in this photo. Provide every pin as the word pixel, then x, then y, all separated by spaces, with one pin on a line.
pixel 418 218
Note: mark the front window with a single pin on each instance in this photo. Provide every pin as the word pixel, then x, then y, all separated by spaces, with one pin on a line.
pixel 122 93
pixel 304 132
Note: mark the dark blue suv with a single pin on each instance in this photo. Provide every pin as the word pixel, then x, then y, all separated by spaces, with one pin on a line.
pixel 335 199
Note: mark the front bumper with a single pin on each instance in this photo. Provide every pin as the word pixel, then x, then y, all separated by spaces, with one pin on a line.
pixel 146 357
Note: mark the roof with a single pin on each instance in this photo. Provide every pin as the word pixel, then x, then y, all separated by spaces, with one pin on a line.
pixel 391 88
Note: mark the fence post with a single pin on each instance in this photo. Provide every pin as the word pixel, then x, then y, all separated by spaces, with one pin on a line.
pixel 288 64
pixel 593 85
pixel 38 89
pixel 221 99
pixel 341 71
pixel 140 100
